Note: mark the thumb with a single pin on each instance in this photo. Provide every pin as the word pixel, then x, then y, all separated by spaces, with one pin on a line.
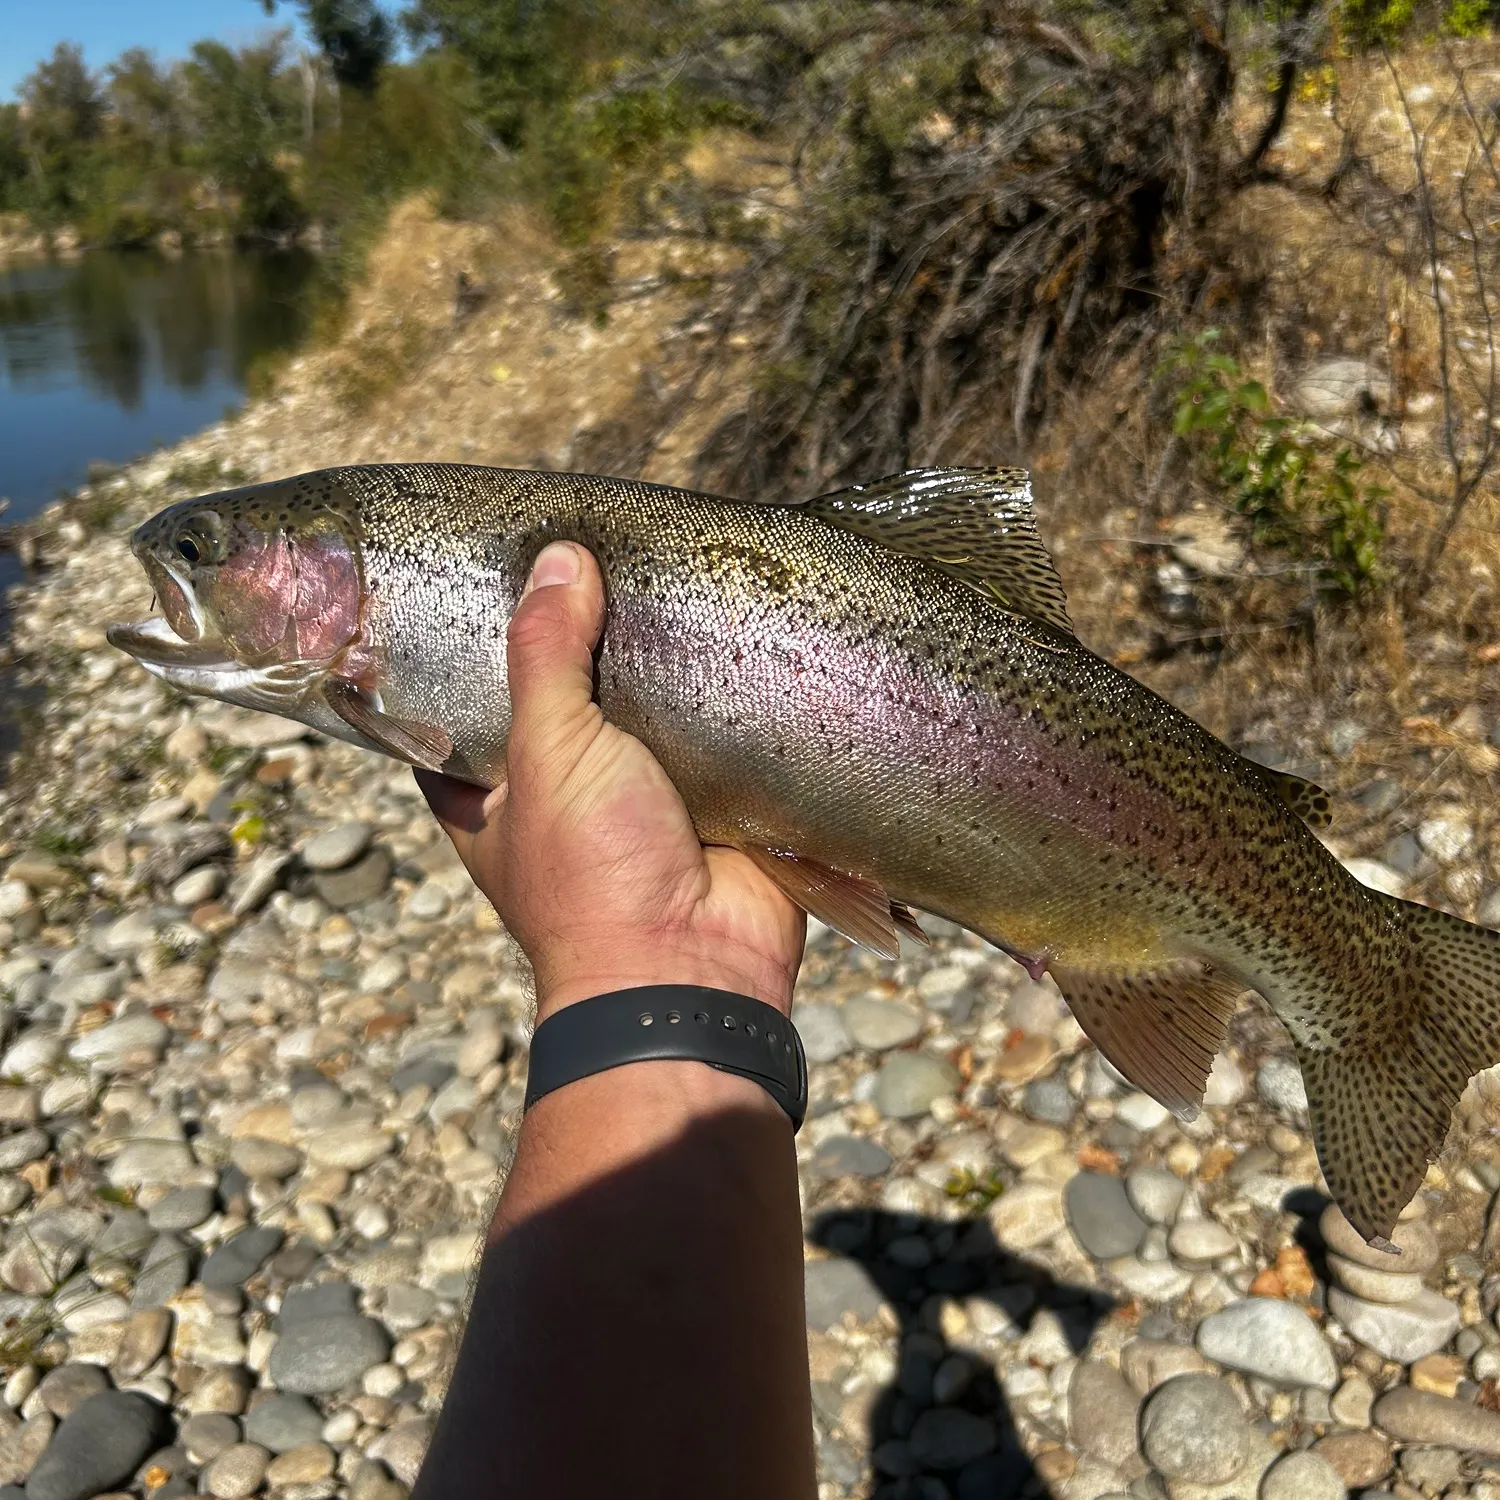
pixel 550 654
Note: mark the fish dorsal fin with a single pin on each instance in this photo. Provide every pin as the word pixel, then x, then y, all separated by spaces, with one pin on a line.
pixel 1305 798
pixel 977 524
pixel 1160 1027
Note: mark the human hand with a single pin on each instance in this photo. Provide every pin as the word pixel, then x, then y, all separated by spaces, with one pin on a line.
pixel 587 851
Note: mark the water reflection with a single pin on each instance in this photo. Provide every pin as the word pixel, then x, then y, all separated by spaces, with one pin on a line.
pixel 116 324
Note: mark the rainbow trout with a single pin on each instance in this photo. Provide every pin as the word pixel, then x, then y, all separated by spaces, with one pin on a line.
pixel 876 695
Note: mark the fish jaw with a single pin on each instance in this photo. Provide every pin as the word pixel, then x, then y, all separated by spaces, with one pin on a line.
pixel 206 669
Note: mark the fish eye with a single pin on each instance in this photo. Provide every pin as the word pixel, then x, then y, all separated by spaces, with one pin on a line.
pixel 189 549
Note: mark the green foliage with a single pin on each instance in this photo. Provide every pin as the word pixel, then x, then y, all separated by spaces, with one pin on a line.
pixel 62 114
pixel 1469 17
pixel 972 1192
pixel 1386 23
pixel 1297 495
pixel 577 94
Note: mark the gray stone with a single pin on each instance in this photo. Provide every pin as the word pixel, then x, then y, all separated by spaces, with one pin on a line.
pixel 328 1299
pixel 1048 1101
pixel 1192 1429
pixel 250 889
pixel 237 1472
pixel 946 1438
pixel 142 1163
pixel 1101 1216
pixel 207 1434
pixel 336 848
pixel 1358 1458
pixel 183 1208
pixel 1200 1242
pixel 124 1240
pixel 23 1146
pixel 282 1422
pixel 20 1449
pixel 238 1259
pixel 317 1356
pixel 361 882
pixel 1270 1338
pixel 406 1307
pixel 1279 1083
pixel 164 1272
pixel 112 1046
pixel 402 1448
pixel 1415 1242
pixel 256 1157
pixel 1432 1469
pixel 1335 388
pixel 98 1447
pixel 146 1334
pixel 1035 1007
pixel 1424 1417
pixel 67 1387
pixel 878 1025
pixel 909 1083
pixel 834 1287
pixel 1027 1215
pixel 1103 1413
pixel 351 1145
pixel 1154 1193
pixel 850 1156
pixel 825 1038
pixel 1302 1476
pixel 1488 914
pixel 1402 1333
pixel 198 886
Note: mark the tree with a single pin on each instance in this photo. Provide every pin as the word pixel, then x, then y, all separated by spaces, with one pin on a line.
pixel 355 36
pixel 62 112
pixel 12 159
pixel 244 120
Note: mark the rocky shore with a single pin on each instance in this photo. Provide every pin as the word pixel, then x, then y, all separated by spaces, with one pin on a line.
pixel 263 1050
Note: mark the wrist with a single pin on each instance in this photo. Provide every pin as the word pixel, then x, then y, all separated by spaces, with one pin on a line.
pixel 585 976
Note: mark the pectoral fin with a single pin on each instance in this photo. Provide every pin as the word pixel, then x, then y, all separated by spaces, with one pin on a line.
pixel 857 908
pixel 421 745
pixel 1160 1027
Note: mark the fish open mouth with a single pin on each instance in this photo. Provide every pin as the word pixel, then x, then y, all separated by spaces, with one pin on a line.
pixel 156 646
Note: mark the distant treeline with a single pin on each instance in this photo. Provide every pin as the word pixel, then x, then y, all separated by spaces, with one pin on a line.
pixel 273 141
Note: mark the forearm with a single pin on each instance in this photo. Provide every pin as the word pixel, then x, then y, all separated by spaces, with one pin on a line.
pixel 638 1326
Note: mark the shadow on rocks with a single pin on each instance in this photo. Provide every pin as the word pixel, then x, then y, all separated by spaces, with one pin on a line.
pixel 941 1430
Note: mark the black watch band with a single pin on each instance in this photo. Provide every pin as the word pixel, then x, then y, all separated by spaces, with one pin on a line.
pixel 678 1022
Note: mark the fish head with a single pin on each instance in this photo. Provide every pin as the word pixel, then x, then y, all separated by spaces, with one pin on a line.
pixel 260 589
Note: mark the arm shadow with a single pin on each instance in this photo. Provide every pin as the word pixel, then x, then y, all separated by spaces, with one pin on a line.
pixel 908 1445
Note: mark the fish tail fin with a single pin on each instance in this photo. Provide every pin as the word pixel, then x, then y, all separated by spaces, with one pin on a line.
pixel 1381 1095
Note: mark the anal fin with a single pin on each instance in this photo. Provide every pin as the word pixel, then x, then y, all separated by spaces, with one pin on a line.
pixel 1160 1027
pixel 852 905
pixel 422 745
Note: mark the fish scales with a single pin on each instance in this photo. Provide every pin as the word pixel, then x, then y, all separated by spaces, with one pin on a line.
pixel 879 686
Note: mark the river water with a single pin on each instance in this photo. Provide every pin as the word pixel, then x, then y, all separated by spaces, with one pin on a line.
pixel 109 355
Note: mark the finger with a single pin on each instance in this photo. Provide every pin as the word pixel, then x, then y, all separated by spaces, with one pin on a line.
pixel 550 653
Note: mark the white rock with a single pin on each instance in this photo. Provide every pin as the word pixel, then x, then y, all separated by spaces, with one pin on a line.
pixel 1027 1215
pixel 1270 1338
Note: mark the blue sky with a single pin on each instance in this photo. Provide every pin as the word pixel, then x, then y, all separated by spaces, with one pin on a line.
pixel 30 29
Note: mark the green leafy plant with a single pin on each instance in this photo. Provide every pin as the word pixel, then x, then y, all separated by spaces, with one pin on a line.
pixel 1296 494
pixel 973 1192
